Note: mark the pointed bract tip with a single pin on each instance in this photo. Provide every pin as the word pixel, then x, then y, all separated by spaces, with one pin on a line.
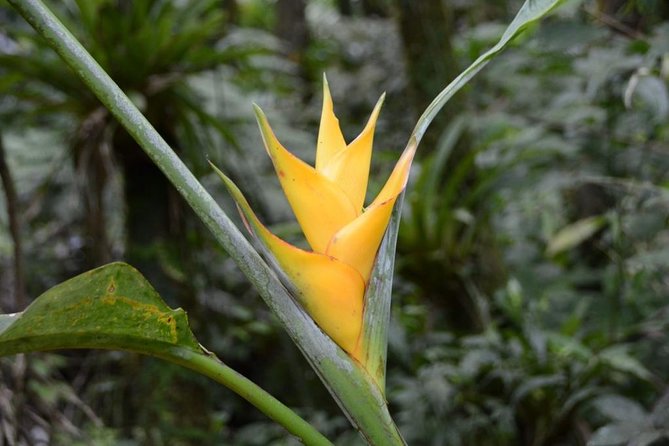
pixel 263 122
pixel 258 111
pixel 379 104
pixel 327 96
pixel 220 173
pixel 213 166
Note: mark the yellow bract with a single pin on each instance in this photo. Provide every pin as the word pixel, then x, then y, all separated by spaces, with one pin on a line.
pixel 330 139
pixel 327 200
pixel 349 167
pixel 307 192
pixel 323 284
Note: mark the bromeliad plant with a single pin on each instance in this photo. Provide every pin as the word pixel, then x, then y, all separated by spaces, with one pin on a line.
pixel 344 283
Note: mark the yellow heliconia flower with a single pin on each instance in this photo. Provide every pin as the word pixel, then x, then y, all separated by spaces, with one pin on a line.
pixel 327 199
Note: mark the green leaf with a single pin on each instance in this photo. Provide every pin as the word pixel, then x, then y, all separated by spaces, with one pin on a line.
pixel 376 318
pixel 619 408
pixel 114 307
pixel 574 234
pixel 617 357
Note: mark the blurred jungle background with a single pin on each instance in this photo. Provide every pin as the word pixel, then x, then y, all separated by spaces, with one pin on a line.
pixel 531 302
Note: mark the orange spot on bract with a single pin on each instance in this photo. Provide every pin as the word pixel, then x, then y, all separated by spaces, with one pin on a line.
pixel 282 173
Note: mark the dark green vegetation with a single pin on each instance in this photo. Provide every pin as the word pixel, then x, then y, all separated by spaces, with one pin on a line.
pixel 531 302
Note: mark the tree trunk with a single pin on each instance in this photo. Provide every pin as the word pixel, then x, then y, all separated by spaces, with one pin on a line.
pixel 155 219
pixel 292 28
pixel 345 7
pixel 376 8
pixel 12 204
pixel 231 11
pixel 92 163
pixel 426 29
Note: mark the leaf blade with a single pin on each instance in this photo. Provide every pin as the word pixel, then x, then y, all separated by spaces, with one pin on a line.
pixel 140 320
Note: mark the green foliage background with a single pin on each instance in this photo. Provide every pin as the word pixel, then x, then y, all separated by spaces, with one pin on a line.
pixel 531 299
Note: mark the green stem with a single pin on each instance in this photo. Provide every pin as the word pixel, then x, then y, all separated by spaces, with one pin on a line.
pixel 211 367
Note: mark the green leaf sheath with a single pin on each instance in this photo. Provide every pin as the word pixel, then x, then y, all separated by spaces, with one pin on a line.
pixel 114 307
pixel 377 302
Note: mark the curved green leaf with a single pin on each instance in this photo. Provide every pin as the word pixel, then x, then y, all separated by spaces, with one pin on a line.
pixel 574 234
pixel 114 307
